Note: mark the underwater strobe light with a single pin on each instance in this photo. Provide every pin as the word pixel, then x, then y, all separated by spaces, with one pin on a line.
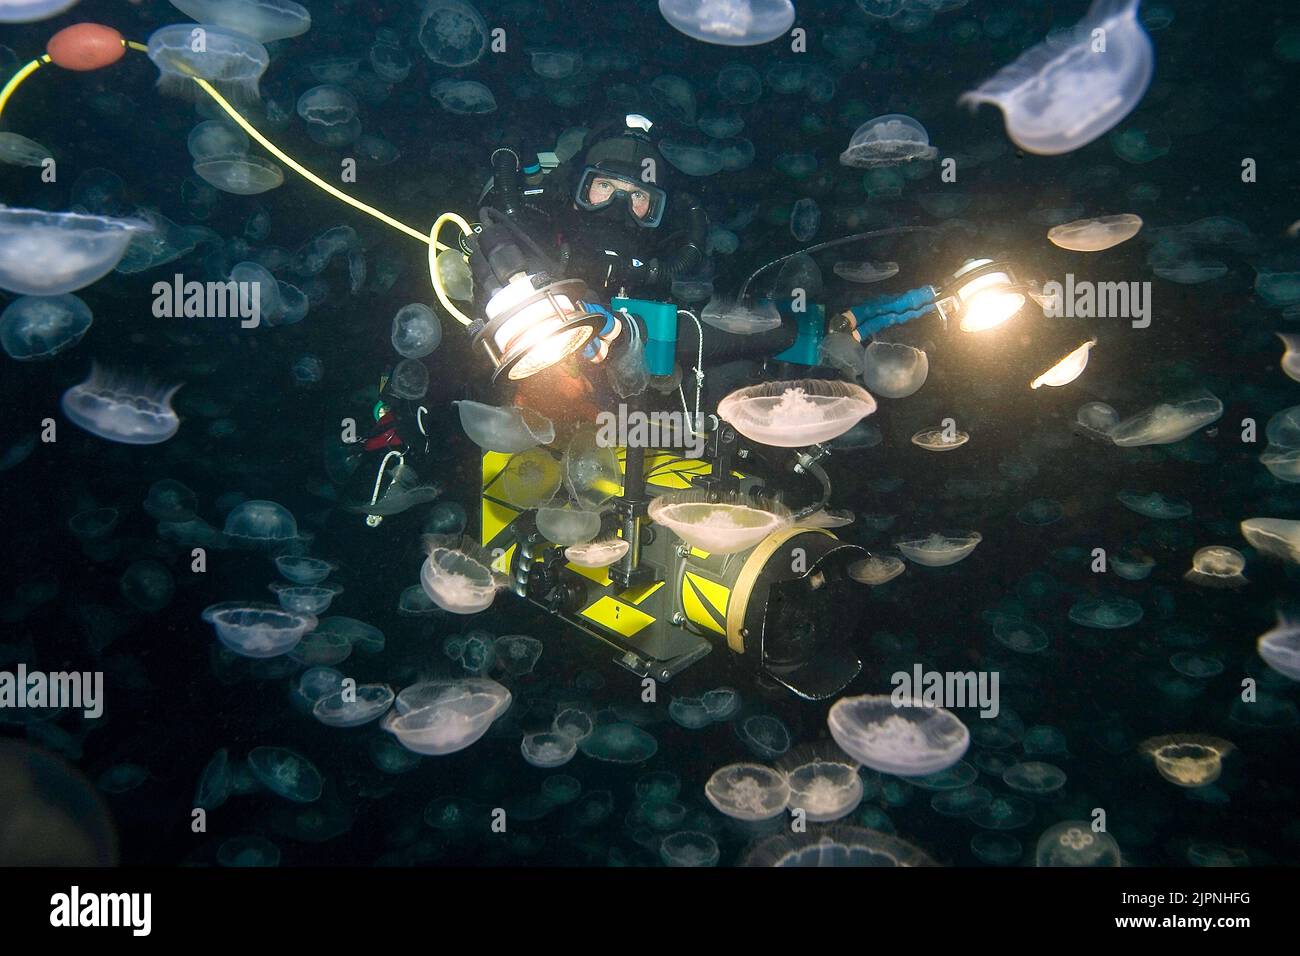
pixel 981 295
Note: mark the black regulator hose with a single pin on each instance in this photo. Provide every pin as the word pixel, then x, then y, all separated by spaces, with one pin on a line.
pixel 505 180
pixel 687 258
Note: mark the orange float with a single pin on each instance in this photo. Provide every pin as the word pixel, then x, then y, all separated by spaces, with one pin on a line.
pixel 85 46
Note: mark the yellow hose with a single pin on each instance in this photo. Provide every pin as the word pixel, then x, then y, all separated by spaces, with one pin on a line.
pixel 16 80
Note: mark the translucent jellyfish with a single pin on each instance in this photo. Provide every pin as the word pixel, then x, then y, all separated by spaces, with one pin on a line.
pixel 908 739
pixel 1097 417
pixel 1034 777
pixel 596 554
pixel 748 791
pixel 548 749
pixel 452 33
pixel 390 61
pixel 876 570
pixel 464 97
pixel 1094 235
pixel 718 524
pixel 1023 637
pixel 940 439
pixel 836 846
pixel 530 478
pixel 1074 843
pixel 1188 760
pixel 286 773
pixel 353 707
pixel 1067 369
pixel 1106 614
pixel 938 550
pixel 258 630
pixel 517 654
pixel 1154 505
pixel 170 500
pixel 805 219
pixel 18 150
pixel 1280 648
pixel 263 20
pixel 51 253
pixel 456 276
pixel 122 409
pixel 1168 422
pixel 301 569
pixel 866 272
pixel 459 580
pixel 148 585
pixel 573 723
pixel 1132 564
pixel 566 526
pixel 739 83
pixel 1276 537
pixel 619 743
pixel 1278 289
pixel 729 22
pixel 795 414
pixel 508 429
pixel 231 61
pixel 1290 355
pixel 889 140
pixel 725 313
pixel 693 160
pixel 1077 84
pixel 241 175
pixel 410 379
pixel 1217 566
pixel 416 331
pixel 894 370
pixel 824 790
pixel 261 525
pixel 721 125
pixel 591 470
pixel 40 327
pixel 305 598
pixel 440 717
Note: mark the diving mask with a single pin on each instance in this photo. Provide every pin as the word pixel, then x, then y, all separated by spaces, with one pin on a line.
pixel 599 188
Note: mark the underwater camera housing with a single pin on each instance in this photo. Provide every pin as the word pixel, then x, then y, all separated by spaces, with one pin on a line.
pixel 784 607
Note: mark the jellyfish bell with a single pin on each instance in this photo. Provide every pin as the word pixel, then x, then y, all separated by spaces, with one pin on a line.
pixel 729 22
pixel 1276 537
pixel 440 717
pixel 888 140
pixel 893 369
pixel 1280 647
pixel 1095 235
pixel 458 578
pixel 718 524
pixel 1076 843
pixel 796 414
pixel 1291 355
pixel 1168 422
pixel 836 845
pixel 52 253
pixel 906 738
pixel 596 554
pixel 122 409
pixel 567 526
pixel 748 791
pixel 1217 566
pixel 940 439
pixel 1067 369
pixel 508 429
pixel 876 570
pixel 1188 760
pixel 939 549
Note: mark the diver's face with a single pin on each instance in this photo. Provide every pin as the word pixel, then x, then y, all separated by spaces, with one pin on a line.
pixel 603 189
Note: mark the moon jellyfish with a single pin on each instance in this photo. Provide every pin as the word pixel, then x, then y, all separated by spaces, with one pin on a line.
pixel 301 569
pixel 805 219
pixel 889 140
pixel 729 22
pixel 689 848
pixel 1106 614
pixel 148 585
pixel 305 598
pixel 263 20
pixel 894 370
pixel 748 791
pixel 726 314
pixel 1034 777
pixel 122 409
pixel 286 773
pixel 907 739
pixel 51 253
pixel 1094 235
pixel 258 630
pixel 40 327
pixel 1280 648
pixel 440 717
pixel 50 814
pixel 573 723
pixel 240 175
pixel 875 570
pixel 825 790
pixel 261 525
pixel 567 526
pixel 508 429
pixel 865 273
pixel 1154 505
pixel 530 478
pixel 1097 417
pixel 352 708
pixel 718 524
pixel 1077 84
pixel 1067 369
pixel 1074 843
pixel 459 580
pixel 1188 760
pixel 170 500
pixel 796 414
pixel 452 33
pixel 691 159
pixel 463 97
pixel 591 470
pixel 619 743
pixel 548 750
pixel 229 60
pixel 938 550
pixel 213 138
pixel 416 331
pixel 940 439
pixel 836 846
pixel 1168 422
pixel 1276 537
pixel 1217 566
pixel 596 554
pixel 739 83
pixel 1132 564
pixel 518 653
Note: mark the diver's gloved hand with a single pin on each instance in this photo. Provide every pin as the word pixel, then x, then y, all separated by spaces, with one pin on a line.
pixel 599 346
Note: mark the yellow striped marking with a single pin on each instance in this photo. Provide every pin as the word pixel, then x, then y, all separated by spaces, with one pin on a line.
pixel 614 615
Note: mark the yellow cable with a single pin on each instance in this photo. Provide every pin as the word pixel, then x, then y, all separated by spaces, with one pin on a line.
pixel 435 274
pixel 16 80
